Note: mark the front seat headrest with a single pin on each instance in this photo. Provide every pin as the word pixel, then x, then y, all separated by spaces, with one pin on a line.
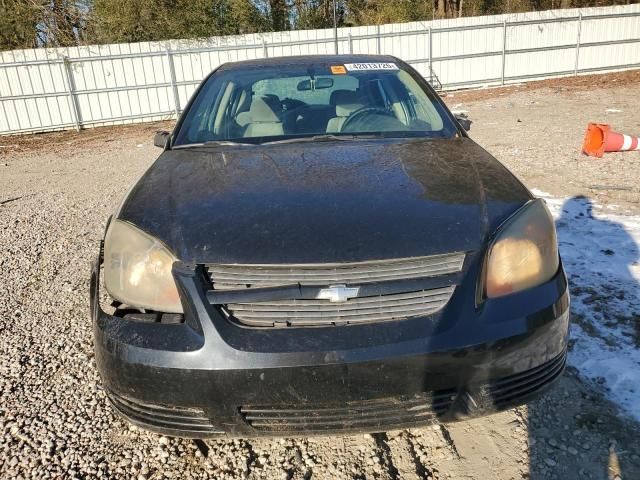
pixel 260 111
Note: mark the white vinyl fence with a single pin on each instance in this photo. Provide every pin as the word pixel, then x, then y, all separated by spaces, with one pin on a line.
pixel 54 89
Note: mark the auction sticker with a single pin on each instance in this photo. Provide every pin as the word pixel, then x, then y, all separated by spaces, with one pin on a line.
pixel 370 66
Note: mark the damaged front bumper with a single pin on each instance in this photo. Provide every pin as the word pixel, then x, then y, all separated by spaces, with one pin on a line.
pixel 209 377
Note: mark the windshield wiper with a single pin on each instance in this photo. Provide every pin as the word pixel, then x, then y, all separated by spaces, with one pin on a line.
pixel 215 143
pixel 315 138
pixel 323 138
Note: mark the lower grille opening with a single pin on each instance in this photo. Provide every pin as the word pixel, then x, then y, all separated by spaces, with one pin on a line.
pixel 382 413
pixel 511 389
pixel 185 419
pixel 393 412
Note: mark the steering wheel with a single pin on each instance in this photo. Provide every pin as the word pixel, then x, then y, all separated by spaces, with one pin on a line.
pixel 361 113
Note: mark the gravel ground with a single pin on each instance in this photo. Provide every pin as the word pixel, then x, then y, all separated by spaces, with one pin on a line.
pixel 56 191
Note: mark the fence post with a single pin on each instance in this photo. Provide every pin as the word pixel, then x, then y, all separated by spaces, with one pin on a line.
pixel 75 111
pixel 504 47
pixel 430 57
pixel 265 49
pixel 174 85
pixel 378 39
pixel 350 39
pixel 575 70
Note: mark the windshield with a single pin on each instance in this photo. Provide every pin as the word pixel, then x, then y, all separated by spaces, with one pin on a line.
pixel 257 104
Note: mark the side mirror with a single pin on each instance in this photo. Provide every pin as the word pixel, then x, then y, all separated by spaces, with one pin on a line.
pixel 463 120
pixel 161 139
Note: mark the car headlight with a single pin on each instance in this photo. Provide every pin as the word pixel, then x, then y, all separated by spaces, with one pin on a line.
pixel 524 254
pixel 137 269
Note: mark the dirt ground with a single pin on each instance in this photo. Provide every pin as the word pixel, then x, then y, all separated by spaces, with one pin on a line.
pixel 56 191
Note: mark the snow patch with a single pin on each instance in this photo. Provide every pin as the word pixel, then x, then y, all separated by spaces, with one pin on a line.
pixel 601 254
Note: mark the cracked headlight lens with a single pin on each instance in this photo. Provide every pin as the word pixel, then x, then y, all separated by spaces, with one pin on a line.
pixel 525 252
pixel 137 269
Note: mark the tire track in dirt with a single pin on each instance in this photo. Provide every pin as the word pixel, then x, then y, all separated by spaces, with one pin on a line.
pixel 422 471
pixel 447 438
pixel 488 447
pixel 385 454
pixel 405 457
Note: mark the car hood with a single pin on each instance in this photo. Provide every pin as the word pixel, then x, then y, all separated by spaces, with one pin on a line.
pixel 342 201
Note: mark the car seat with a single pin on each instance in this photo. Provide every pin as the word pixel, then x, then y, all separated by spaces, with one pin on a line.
pixel 263 121
pixel 346 102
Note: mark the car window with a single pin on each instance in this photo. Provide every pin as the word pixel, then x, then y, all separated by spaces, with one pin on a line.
pixel 273 102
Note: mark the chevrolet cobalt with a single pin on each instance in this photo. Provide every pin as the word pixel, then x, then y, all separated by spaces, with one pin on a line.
pixel 321 248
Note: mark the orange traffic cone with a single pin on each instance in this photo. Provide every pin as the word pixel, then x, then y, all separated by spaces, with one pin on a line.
pixel 599 139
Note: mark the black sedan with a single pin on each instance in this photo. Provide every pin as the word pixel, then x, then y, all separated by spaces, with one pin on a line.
pixel 320 248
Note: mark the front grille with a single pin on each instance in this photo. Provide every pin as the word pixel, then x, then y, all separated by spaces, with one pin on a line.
pixel 163 417
pixel 355 310
pixel 383 414
pixel 291 294
pixel 234 277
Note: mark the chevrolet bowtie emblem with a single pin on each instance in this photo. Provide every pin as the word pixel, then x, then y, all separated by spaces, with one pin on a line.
pixel 338 293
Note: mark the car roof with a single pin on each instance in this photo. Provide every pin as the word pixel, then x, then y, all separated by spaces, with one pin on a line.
pixel 307 59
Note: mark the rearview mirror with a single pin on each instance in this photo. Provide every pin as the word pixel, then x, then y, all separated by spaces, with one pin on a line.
pixel 304 85
pixel 463 120
pixel 315 84
pixel 161 139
